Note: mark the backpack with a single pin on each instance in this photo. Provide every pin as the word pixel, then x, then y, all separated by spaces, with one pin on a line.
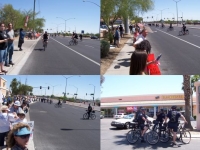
pixel 136 119
pixel 173 116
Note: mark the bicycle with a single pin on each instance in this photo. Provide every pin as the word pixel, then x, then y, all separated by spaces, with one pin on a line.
pixel 45 44
pixel 183 134
pixel 134 134
pixel 92 115
pixel 182 32
pixel 73 42
pixel 58 106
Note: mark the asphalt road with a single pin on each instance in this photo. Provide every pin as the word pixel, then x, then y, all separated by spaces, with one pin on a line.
pixel 60 58
pixel 180 54
pixel 64 128
pixel 112 138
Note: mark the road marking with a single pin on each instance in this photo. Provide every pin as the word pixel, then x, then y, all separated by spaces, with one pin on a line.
pixel 89 46
pixel 196 35
pixel 180 39
pixel 78 53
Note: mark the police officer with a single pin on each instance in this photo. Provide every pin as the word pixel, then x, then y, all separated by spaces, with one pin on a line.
pixel 89 111
pixel 141 120
pixel 173 116
pixel 160 119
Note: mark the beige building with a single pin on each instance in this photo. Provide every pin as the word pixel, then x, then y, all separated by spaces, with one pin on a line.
pixel 153 103
pixel 3 88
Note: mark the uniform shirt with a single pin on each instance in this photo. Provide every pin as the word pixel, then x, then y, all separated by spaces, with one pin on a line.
pixel 169 115
pixel 160 117
pixel 141 115
pixel 45 36
pixel 10 34
pixel 5 119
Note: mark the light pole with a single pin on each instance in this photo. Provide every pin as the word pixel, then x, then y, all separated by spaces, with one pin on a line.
pixel 177 9
pixel 58 25
pixel 53 87
pixel 171 13
pixel 93 93
pixel 34 16
pixel 182 17
pixel 65 21
pixel 66 84
pixel 162 11
pixel 91 2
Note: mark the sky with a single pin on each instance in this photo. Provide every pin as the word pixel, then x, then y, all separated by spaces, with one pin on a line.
pixel 141 85
pixel 59 82
pixel 188 8
pixel 86 14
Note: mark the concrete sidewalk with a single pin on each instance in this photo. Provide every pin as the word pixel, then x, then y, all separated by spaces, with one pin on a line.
pixel 20 57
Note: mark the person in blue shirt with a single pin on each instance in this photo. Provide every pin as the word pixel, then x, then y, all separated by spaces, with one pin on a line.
pixel 21 39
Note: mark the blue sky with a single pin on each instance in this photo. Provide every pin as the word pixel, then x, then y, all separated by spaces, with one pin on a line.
pixel 82 83
pixel 141 85
pixel 189 8
pixel 86 14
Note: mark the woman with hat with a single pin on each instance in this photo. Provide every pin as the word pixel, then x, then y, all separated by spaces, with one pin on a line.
pixel 5 119
pixel 18 137
pixel 21 116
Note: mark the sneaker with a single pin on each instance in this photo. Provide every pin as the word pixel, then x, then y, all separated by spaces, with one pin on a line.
pixel 11 63
pixel 7 65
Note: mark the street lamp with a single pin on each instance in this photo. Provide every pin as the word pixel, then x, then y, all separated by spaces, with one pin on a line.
pixel 162 11
pixel 182 17
pixel 66 84
pixel 91 2
pixel 177 9
pixel 53 87
pixel 93 93
pixel 171 13
pixel 65 21
pixel 58 25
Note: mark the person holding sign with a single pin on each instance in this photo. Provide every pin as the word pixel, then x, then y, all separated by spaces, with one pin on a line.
pixel 18 137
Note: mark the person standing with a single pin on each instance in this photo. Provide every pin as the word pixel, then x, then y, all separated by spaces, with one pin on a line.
pixel 121 29
pixel 3 46
pixel 10 48
pixel 21 39
pixel 116 37
pixel 131 28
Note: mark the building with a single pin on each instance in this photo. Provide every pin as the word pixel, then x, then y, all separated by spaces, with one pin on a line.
pixel 153 103
pixel 3 88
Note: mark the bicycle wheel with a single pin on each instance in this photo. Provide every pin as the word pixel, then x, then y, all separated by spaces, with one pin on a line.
pixel 92 116
pixel 56 105
pixel 132 136
pixel 76 43
pixel 187 32
pixel 180 33
pixel 152 137
pixel 85 116
pixel 70 42
pixel 164 136
pixel 185 137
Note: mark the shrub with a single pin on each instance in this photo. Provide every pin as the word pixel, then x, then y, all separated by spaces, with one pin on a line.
pixel 105 46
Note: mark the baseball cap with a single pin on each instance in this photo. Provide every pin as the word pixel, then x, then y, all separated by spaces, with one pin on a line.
pixel 17 103
pixel 22 131
pixel 20 111
pixel 4 108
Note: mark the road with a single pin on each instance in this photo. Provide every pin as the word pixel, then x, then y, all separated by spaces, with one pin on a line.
pixel 112 138
pixel 64 128
pixel 60 58
pixel 180 54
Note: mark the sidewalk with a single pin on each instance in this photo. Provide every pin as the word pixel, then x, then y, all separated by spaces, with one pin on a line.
pixel 20 57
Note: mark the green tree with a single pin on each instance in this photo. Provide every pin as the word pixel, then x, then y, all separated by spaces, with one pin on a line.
pixel 187 92
pixel 14 86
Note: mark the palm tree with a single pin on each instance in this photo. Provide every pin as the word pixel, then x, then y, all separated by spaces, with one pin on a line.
pixel 187 91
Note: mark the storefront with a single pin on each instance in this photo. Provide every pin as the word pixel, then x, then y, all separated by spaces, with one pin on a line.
pixel 153 103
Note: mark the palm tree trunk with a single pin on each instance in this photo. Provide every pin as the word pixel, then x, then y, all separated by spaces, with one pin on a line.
pixel 186 82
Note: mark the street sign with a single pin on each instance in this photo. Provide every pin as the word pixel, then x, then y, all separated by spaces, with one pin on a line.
pixel 82 31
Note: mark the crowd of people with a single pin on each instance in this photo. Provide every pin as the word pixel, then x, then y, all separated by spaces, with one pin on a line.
pixel 14 112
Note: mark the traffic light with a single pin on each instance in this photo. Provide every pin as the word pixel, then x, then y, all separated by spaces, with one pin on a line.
pixel 48 88
pixel 40 87
pixel 91 94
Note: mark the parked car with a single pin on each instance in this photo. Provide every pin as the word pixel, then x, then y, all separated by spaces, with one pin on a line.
pixel 94 37
pixel 119 115
pixel 123 122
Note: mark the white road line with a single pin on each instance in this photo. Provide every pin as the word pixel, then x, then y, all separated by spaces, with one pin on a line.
pixel 196 35
pixel 78 53
pixel 89 46
pixel 180 39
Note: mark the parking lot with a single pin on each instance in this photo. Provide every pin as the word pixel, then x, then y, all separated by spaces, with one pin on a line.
pixel 112 138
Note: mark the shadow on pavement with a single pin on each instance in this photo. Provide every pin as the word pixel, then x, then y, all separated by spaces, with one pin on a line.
pixel 77 129
pixel 16 50
pixel 39 49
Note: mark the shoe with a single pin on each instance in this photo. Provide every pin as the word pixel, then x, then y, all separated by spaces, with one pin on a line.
pixel 11 63
pixel 7 65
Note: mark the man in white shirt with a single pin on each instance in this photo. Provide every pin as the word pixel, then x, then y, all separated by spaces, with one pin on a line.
pixel 141 37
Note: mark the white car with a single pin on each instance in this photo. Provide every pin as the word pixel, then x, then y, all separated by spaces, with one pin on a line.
pixel 125 121
pixel 119 115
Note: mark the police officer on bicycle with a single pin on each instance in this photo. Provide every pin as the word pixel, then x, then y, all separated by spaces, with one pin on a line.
pixel 89 111
pixel 173 116
pixel 160 119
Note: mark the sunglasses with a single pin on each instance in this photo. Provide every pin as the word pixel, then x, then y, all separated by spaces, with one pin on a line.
pixel 23 136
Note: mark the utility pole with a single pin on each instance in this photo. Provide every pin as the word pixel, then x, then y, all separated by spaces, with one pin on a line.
pixel 34 16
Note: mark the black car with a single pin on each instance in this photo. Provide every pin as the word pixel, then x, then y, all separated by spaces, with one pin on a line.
pixel 94 37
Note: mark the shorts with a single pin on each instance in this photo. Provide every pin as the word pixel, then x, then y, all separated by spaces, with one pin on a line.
pixel 141 126
pixel 173 126
pixel 2 138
